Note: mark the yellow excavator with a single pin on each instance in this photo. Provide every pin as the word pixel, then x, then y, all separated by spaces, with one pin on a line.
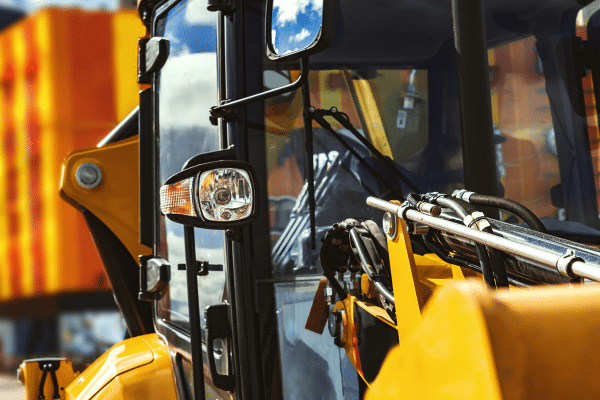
pixel 420 177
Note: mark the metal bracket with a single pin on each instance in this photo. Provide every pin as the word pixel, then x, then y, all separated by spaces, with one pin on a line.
pixel 225 6
pixel 565 262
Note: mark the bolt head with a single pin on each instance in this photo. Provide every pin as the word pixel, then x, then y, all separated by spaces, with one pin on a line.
pixel 88 175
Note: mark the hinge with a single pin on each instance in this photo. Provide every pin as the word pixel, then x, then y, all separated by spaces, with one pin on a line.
pixel 152 55
pixel 225 6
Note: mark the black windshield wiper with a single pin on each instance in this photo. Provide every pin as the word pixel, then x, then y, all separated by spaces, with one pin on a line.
pixel 342 118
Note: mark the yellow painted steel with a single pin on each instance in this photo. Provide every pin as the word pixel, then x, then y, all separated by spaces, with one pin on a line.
pixel 137 368
pixel 370 110
pixel 448 357
pixel 115 201
pixel 349 333
pixel 127 27
pixel 30 374
pixel 535 343
pixel 408 291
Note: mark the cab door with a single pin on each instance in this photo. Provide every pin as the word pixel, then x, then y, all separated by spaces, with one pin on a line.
pixel 183 91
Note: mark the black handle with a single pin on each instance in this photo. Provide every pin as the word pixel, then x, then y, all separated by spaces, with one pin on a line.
pixel 216 318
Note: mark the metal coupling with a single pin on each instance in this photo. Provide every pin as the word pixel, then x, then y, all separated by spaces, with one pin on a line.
pixel 463 194
pixel 417 229
pixel 429 208
pixel 390 225
pixel 565 262
pixel 329 295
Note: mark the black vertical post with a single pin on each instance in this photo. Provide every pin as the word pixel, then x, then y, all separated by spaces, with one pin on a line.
pixel 194 307
pixel 308 135
pixel 479 155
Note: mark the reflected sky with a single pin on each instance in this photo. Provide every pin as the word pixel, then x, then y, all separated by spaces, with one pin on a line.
pixel 295 24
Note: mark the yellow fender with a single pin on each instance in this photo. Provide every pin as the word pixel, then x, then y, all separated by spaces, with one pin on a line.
pixel 137 368
pixel 473 343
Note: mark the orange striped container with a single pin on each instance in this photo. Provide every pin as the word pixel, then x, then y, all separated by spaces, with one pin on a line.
pixel 67 77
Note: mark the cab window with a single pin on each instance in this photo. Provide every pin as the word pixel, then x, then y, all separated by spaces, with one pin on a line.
pixel 185 90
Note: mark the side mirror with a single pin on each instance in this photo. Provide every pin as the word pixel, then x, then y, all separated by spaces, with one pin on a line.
pixel 299 28
pixel 213 195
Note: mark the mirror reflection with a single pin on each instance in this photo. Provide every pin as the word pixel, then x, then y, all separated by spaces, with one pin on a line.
pixel 295 25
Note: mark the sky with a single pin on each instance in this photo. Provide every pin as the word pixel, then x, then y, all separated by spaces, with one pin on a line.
pixel 31 5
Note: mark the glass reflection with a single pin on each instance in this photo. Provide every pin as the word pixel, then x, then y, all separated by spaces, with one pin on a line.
pixel 295 24
pixel 225 194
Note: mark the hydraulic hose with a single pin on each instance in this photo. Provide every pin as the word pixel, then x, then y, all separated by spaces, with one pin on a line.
pixel 496 256
pixel 452 259
pixel 486 268
pixel 508 205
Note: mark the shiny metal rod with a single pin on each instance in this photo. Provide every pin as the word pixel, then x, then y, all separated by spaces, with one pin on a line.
pixel 530 252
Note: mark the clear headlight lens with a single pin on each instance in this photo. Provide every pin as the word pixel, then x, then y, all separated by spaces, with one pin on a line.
pixel 225 194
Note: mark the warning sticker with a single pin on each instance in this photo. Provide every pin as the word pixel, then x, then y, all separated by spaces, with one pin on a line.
pixel 401 119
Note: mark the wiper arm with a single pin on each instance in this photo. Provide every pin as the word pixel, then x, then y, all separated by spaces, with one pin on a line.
pixel 342 118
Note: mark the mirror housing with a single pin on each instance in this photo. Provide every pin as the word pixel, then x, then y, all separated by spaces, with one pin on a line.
pixel 294 30
pixel 212 195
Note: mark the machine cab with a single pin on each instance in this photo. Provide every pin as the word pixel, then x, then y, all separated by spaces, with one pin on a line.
pixel 249 153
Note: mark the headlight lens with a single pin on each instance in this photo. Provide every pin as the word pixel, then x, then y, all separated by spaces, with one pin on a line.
pixel 225 194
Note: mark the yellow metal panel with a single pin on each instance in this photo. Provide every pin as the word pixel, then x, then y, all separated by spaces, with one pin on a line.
pixel 370 111
pixel 545 341
pixel 408 292
pixel 31 375
pixel 128 355
pixel 448 357
pixel 21 159
pixel 127 27
pixel 116 200
pixel 49 155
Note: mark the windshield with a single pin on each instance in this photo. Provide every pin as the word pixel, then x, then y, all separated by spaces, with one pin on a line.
pixel 408 109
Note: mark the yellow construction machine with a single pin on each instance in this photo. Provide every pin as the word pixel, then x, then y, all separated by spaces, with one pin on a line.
pixel 419 176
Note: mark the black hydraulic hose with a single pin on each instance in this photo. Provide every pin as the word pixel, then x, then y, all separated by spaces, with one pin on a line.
pixel 452 259
pixel 509 205
pixel 496 256
pixel 364 259
pixel 486 268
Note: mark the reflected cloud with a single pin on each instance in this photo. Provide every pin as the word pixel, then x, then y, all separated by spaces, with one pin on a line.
pixel 195 14
pixel 301 36
pixel 288 11
pixel 295 25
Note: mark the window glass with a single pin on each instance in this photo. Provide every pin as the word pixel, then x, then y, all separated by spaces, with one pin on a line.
pixel 186 89
pixel 388 107
pixel 525 138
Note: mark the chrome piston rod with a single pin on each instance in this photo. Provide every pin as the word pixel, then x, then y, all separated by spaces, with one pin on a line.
pixel 566 264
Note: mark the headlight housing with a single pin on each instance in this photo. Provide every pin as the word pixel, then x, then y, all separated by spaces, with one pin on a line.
pixel 215 195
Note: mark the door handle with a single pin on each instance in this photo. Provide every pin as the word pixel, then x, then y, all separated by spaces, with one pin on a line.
pixel 216 319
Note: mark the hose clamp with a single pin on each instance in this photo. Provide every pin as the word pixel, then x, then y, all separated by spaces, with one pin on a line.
pixel 565 262
pixel 463 194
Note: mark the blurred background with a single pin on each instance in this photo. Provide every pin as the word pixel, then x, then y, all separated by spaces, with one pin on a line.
pixel 67 77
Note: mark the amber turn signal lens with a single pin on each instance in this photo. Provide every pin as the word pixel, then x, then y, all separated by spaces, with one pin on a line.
pixel 177 198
